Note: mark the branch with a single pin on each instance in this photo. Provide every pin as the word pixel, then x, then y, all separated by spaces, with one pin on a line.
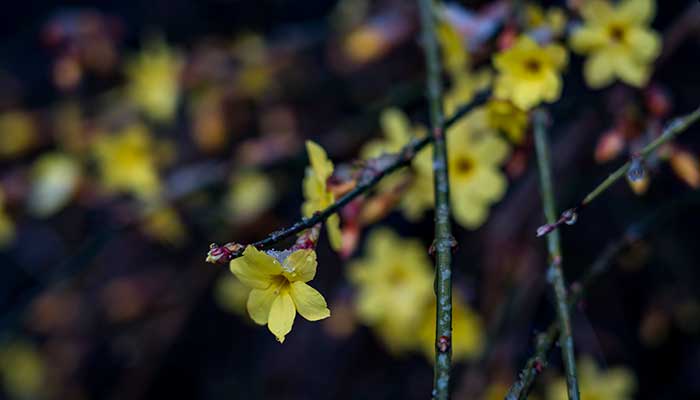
pixel 444 242
pixel 673 129
pixel 222 254
pixel 545 340
pixel 555 274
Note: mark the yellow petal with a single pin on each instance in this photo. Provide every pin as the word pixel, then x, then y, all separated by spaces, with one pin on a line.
pixel 396 128
pixel 255 269
pixel 640 11
pixel 646 43
pixel 322 166
pixel 596 11
pixel 587 39
pixel 633 73
pixel 557 55
pixel 599 70
pixel 551 86
pixel 619 382
pixel 335 236
pixel 259 303
pixel 309 302
pixel 470 212
pixel 300 266
pixel 281 316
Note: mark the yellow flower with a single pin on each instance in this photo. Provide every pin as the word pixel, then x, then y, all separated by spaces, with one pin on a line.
pixel 250 194
pixel 554 18
pixel 7 227
pixel 397 131
pixel 279 290
pixel 456 60
pixel 529 73
pixel 255 76
pixel 153 77
pixel 394 285
pixel 467 331
pixel 455 57
pixel 17 134
pixel 504 116
pixel 55 178
pixel 126 162
pixel 614 384
pixel 618 40
pixel 163 223
pixel 316 192
pixel 231 294
pixel 22 370
pixel 475 153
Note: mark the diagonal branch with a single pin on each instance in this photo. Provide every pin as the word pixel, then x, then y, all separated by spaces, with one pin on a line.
pixel 673 129
pixel 555 274
pixel 222 254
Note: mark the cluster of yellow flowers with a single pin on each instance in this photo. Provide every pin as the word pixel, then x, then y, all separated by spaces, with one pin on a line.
pixel 395 297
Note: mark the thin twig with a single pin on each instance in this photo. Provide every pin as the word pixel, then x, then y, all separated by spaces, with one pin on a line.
pixel 673 129
pixel 555 274
pixel 444 242
pixel 545 340
pixel 224 253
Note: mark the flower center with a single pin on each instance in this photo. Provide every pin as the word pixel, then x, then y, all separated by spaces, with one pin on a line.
pixel 533 66
pixel 617 33
pixel 463 165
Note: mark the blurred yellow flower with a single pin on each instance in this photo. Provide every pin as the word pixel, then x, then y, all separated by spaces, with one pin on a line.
pixel 126 162
pixel 464 82
pixel 455 57
pixel 394 283
pixel 618 40
pixel 398 132
pixel 153 80
pixel 279 290
pixel 504 116
pixel 250 194
pixel 529 73
pixel 467 331
pixel 22 369
pixel 316 192
pixel 613 384
pixel 255 76
pixel 553 18
pixel 231 295
pixel 7 227
pixel 163 224
pixel 17 134
pixel 55 178
pixel 475 154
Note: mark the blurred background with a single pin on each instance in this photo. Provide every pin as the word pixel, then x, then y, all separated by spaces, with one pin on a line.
pixel 134 134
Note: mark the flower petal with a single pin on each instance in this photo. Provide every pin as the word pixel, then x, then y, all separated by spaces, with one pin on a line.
pixel 335 236
pixel 587 39
pixel 646 43
pixel 640 11
pixel 322 166
pixel 255 268
pixel 259 303
pixel 632 73
pixel 281 316
pixel 599 70
pixel 300 266
pixel 309 302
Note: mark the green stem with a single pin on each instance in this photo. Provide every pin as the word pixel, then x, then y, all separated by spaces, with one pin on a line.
pixel 443 232
pixel 555 274
pixel 545 340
